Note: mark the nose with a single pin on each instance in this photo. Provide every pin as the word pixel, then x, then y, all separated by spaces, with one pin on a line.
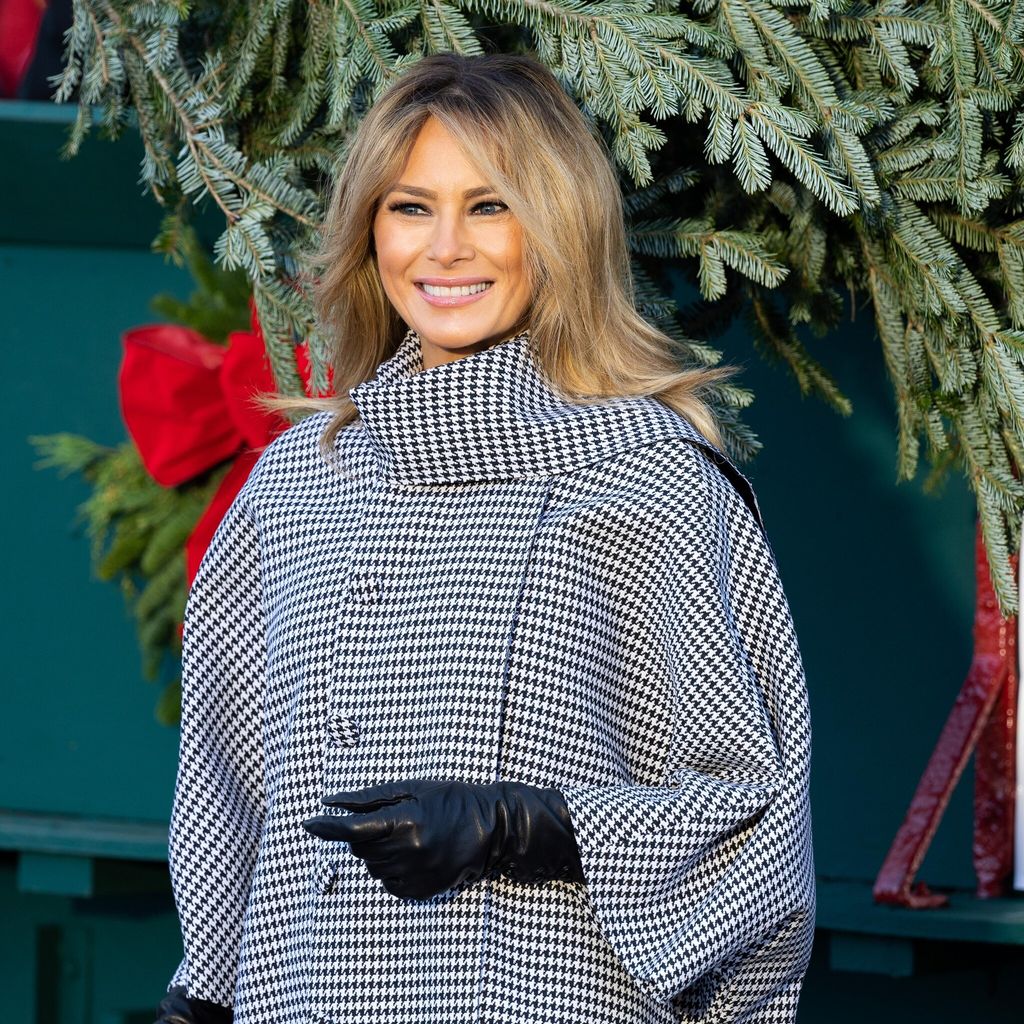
pixel 449 241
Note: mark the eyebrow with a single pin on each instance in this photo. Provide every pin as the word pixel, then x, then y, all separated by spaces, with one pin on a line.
pixel 427 194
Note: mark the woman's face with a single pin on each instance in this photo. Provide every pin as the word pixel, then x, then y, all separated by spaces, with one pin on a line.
pixel 449 252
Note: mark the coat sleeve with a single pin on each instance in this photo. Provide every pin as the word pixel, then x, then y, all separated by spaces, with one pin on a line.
pixel 219 803
pixel 687 877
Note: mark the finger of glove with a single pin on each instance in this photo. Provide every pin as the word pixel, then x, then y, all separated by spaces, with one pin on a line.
pixel 409 890
pixel 354 828
pixel 371 798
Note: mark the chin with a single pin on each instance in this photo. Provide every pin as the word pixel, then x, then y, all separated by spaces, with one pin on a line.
pixel 455 339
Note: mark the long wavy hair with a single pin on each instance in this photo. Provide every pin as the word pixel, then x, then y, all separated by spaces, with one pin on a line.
pixel 530 140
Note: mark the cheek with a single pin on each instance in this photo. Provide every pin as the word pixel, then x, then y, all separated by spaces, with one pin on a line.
pixel 521 264
pixel 513 260
pixel 395 246
pixel 389 263
pixel 383 244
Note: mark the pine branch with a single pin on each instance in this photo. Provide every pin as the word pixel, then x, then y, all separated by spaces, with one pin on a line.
pixel 869 149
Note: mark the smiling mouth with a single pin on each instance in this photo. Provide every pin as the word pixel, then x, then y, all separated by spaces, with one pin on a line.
pixel 444 293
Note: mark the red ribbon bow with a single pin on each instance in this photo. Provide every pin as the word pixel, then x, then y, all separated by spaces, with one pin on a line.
pixel 187 404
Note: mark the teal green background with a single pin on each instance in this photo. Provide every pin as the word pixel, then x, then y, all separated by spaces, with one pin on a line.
pixel 79 735
pixel 879 578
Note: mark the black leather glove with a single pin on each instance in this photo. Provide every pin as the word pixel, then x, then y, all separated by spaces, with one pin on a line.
pixel 177 1008
pixel 421 837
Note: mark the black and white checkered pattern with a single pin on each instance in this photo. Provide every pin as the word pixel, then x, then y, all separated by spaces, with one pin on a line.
pixel 494 583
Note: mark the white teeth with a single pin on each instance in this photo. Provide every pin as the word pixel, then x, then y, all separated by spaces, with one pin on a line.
pixel 467 289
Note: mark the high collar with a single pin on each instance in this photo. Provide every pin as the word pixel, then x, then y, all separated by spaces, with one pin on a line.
pixel 494 415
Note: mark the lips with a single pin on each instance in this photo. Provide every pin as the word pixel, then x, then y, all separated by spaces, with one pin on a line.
pixel 452 282
pixel 466 289
pixel 452 295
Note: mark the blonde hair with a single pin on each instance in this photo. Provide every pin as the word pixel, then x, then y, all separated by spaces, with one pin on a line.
pixel 532 143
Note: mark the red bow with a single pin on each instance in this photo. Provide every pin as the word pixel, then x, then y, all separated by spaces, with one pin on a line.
pixel 187 404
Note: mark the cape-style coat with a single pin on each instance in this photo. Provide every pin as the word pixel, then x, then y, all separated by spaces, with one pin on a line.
pixel 493 583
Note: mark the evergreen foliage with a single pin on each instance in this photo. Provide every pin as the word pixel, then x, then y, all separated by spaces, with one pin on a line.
pixel 868 149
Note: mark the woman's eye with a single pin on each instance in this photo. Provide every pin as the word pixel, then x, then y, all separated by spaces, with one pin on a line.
pixel 404 207
pixel 497 205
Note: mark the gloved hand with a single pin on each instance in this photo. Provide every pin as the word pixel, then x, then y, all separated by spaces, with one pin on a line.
pixel 421 837
pixel 177 1008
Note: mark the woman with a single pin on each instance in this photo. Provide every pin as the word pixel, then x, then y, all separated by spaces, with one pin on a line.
pixel 492 706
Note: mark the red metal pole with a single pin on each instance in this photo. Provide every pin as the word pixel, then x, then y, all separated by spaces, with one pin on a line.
pixel 995 767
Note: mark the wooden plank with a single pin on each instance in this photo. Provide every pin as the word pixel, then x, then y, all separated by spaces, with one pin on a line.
pixel 27 831
pixel 845 906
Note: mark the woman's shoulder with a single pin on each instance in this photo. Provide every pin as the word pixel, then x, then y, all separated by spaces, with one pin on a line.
pixel 294 458
pixel 669 485
pixel 662 454
pixel 702 467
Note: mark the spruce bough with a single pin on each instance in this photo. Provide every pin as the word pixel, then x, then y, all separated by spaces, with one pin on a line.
pixel 853 155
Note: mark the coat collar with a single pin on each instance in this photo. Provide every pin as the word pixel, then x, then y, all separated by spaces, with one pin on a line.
pixel 493 415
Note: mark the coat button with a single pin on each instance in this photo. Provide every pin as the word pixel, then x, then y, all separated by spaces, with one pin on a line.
pixel 343 731
pixel 363 588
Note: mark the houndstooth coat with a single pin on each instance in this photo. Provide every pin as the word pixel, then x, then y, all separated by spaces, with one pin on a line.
pixel 493 583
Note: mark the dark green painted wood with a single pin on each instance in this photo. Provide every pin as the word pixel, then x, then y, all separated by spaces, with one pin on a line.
pixel 78 735
pixel 90 960
pixel 61 873
pixel 93 200
pixel 92 836
pixel 848 907
pixel 959 987
pixel 873 954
